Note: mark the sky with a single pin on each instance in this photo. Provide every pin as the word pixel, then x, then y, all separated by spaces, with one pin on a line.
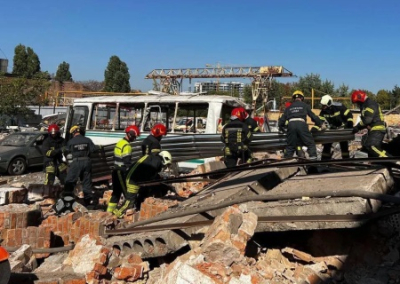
pixel 356 43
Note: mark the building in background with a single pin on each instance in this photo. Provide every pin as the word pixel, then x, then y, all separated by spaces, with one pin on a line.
pixel 213 86
pixel 3 65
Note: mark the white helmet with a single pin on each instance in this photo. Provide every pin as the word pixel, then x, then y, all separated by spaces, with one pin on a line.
pixel 326 100
pixel 166 158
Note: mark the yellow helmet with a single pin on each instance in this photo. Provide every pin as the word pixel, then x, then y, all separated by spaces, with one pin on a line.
pixel 298 94
pixel 74 129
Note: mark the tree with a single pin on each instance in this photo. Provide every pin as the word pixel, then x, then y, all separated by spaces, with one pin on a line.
pixel 63 74
pixel 308 82
pixel 92 85
pixel 383 99
pixel 18 93
pixel 343 91
pixel 116 76
pixel 394 97
pixel 26 62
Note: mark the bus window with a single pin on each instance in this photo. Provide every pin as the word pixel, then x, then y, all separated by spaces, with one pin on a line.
pixel 103 116
pixel 80 116
pixel 129 115
pixel 155 114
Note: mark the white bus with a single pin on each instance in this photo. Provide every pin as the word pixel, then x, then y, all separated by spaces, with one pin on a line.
pixel 104 118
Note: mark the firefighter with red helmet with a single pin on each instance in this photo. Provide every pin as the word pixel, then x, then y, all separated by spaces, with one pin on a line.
pixel 151 144
pixel 122 162
pixel 295 117
pixel 372 119
pixel 236 136
pixel 251 123
pixel 53 147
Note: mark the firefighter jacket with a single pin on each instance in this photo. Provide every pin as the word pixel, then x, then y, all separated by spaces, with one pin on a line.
pixel 337 115
pixel 236 136
pixel 252 124
pixel 80 147
pixel 298 111
pixel 122 155
pixel 371 116
pixel 151 145
pixel 145 169
pixel 52 148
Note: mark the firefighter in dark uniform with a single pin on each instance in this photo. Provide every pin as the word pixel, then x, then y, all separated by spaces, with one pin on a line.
pixel 145 169
pixel 337 116
pixel 122 162
pixel 80 148
pixel 53 147
pixel 297 130
pixel 372 119
pixel 151 144
pixel 236 136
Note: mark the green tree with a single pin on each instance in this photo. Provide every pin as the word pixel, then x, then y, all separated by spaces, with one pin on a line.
pixel 116 76
pixel 18 93
pixel 247 95
pixel 26 62
pixel 383 99
pixel 394 97
pixel 308 82
pixel 63 74
pixel 343 91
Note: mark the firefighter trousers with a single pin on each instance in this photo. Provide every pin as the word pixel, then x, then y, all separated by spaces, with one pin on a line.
pixel 344 148
pixel 119 187
pixel 373 144
pixel 298 134
pixel 80 169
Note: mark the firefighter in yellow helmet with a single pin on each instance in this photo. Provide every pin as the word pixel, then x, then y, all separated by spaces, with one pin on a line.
pixel 297 128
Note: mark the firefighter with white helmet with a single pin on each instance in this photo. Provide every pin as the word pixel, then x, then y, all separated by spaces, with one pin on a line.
pixel 145 169
pixel 337 116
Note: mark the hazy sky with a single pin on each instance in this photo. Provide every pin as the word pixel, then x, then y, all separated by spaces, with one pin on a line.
pixel 352 42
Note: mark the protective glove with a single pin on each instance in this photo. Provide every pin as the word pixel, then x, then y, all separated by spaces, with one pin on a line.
pixel 323 126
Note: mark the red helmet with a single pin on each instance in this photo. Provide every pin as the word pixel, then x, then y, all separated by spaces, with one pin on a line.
pixel 159 130
pixel 236 113
pixel 358 96
pixel 53 129
pixel 134 129
pixel 243 112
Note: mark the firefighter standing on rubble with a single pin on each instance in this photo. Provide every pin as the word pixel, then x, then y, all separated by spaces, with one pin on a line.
pixel 372 119
pixel 145 169
pixel 53 147
pixel 337 116
pixel 122 162
pixel 297 130
pixel 236 136
pixel 80 148
pixel 151 144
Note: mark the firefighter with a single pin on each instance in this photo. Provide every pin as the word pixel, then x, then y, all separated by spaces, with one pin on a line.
pixel 251 123
pixel 80 148
pixel 372 119
pixel 236 136
pixel 297 129
pixel 151 144
pixel 53 147
pixel 337 116
pixel 122 162
pixel 5 269
pixel 145 169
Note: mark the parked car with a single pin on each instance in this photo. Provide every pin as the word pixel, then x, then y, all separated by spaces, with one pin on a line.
pixel 21 150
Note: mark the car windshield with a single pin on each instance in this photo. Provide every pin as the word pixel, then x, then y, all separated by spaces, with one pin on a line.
pixel 18 139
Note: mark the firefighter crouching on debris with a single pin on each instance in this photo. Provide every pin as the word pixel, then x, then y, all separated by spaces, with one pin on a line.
pixel 337 116
pixel 151 144
pixel 297 129
pixel 145 169
pixel 122 162
pixel 80 148
pixel 53 148
pixel 372 119
pixel 236 136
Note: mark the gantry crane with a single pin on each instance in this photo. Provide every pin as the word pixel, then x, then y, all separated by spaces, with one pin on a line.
pixel 170 80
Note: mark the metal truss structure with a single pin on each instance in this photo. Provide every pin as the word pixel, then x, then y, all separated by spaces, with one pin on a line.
pixel 170 80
